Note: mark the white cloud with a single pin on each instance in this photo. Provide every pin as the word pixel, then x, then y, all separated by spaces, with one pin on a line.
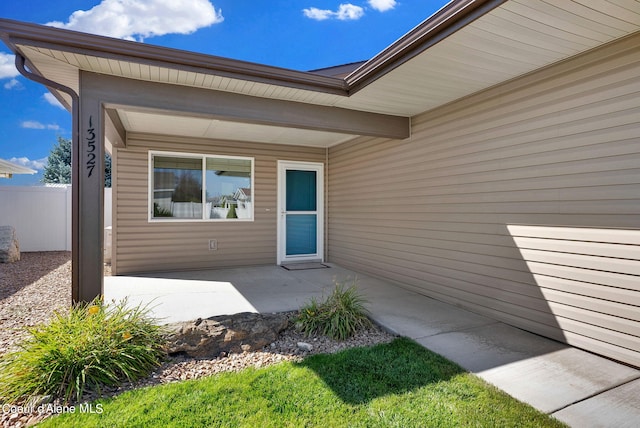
pixel 137 19
pixel 13 84
pixel 382 5
pixel 48 96
pixel 37 164
pixel 317 14
pixel 345 12
pixel 349 12
pixel 34 124
pixel 7 66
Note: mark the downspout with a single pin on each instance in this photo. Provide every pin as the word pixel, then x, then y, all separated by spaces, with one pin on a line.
pixel 75 165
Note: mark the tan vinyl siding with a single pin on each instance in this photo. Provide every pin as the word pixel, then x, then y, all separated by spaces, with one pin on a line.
pixel 143 246
pixel 521 203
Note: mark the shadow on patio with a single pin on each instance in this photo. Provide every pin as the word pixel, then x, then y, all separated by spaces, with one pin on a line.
pixel 544 373
pixel 183 296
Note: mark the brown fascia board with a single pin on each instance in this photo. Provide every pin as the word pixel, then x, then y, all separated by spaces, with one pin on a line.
pixel 341 71
pixel 15 33
pixel 446 21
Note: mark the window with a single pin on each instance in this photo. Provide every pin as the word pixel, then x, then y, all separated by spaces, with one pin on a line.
pixel 200 187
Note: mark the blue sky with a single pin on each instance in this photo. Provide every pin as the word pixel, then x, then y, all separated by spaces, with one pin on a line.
pixel 295 34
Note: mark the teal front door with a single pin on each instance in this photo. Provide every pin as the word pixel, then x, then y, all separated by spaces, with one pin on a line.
pixel 300 233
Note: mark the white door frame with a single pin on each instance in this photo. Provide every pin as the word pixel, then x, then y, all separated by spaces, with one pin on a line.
pixel 283 166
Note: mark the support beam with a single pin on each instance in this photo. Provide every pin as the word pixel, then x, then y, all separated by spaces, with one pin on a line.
pixel 114 129
pixel 119 92
pixel 91 196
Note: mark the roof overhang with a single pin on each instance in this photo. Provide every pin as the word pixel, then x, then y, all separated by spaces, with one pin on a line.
pixel 7 169
pixel 466 47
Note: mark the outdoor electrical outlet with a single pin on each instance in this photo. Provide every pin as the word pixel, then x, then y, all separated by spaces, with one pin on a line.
pixel 213 244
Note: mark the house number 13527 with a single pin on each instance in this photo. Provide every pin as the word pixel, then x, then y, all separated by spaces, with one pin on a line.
pixel 91 147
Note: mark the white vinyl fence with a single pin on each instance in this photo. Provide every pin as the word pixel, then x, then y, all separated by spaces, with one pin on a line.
pixel 42 216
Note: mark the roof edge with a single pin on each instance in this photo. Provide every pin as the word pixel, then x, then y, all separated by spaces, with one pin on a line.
pixel 450 18
pixel 14 32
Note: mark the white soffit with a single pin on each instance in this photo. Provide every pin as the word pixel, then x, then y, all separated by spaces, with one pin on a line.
pixel 516 38
pixel 50 59
pixel 186 126
pixel 513 39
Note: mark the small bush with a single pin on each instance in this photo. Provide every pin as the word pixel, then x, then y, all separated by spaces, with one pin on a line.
pixel 339 316
pixel 91 346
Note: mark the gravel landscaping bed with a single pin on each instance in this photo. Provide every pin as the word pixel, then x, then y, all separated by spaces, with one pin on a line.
pixel 31 289
pixel 40 283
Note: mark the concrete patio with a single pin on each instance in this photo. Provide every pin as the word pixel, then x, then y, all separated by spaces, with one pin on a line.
pixel 577 387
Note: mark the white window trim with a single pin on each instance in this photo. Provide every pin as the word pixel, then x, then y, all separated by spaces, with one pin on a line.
pixel 203 156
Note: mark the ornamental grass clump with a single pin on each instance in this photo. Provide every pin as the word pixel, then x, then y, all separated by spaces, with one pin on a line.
pixel 92 346
pixel 340 316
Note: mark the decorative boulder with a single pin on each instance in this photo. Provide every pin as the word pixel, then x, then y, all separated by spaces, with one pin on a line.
pixel 220 335
pixel 9 247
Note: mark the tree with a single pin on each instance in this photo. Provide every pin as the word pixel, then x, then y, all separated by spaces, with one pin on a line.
pixel 189 188
pixel 58 168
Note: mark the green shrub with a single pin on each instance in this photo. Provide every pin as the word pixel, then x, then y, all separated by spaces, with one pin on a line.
pixel 339 316
pixel 91 346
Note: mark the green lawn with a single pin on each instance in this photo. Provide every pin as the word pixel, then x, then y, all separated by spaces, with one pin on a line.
pixel 399 384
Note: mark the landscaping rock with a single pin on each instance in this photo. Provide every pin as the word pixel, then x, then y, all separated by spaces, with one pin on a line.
pixel 221 335
pixel 9 248
pixel 32 290
pixel 305 346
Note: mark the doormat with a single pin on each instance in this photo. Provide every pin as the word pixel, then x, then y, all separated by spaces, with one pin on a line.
pixel 305 266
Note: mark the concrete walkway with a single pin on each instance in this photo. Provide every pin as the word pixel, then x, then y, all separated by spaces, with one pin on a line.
pixel 577 387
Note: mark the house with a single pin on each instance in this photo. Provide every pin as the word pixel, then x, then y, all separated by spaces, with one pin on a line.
pixel 244 206
pixel 7 169
pixel 242 194
pixel 509 129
